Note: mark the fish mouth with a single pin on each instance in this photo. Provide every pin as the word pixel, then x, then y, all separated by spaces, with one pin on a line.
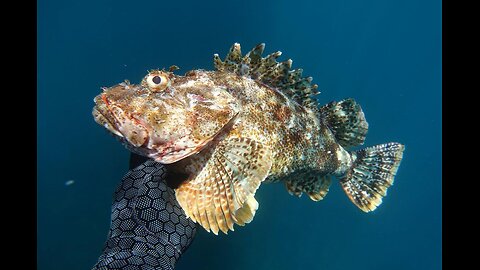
pixel 120 123
pixel 112 111
pixel 107 115
pixel 100 117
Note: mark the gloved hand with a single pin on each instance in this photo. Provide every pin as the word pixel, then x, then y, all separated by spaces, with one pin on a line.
pixel 149 229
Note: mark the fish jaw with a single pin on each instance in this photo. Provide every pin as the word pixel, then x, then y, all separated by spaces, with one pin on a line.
pixel 120 123
pixel 103 121
pixel 141 139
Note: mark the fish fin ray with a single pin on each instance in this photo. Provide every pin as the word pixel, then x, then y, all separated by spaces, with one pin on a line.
pixel 246 213
pixel 320 189
pixel 371 174
pixel 267 70
pixel 223 190
pixel 315 185
pixel 347 122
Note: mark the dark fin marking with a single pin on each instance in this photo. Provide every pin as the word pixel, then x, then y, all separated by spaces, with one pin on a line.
pixel 316 186
pixel 347 122
pixel 320 189
pixel 371 174
pixel 270 72
pixel 221 193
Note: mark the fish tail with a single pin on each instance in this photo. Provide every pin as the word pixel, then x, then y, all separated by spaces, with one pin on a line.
pixel 372 172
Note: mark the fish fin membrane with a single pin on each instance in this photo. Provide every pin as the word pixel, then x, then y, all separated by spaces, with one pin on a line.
pixel 267 70
pixel 371 174
pixel 347 122
pixel 321 188
pixel 246 213
pixel 316 186
pixel 221 193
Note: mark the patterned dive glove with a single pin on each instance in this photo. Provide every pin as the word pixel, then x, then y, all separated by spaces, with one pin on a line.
pixel 149 229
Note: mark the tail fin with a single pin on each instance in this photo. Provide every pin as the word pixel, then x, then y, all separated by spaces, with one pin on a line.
pixel 371 174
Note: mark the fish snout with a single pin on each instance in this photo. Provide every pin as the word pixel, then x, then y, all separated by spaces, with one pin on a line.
pixel 119 122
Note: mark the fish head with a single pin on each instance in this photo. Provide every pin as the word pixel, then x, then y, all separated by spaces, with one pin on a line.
pixel 166 117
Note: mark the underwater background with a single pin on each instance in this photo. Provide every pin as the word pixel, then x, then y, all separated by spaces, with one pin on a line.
pixel 384 54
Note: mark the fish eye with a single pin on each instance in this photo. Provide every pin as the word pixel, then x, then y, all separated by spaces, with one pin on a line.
pixel 157 81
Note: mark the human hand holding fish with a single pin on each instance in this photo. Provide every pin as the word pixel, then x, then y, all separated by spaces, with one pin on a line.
pixel 148 228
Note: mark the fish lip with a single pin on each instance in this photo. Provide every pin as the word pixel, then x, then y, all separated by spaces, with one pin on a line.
pixel 102 107
pixel 102 118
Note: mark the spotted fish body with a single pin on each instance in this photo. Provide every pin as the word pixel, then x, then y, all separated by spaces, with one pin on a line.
pixel 252 120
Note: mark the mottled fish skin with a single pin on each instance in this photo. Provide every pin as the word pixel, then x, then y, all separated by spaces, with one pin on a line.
pixel 251 120
pixel 166 124
pixel 295 134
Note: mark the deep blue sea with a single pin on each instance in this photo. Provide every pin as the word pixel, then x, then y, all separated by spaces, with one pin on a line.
pixel 384 54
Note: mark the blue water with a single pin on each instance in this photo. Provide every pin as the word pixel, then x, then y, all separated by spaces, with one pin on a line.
pixel 384 54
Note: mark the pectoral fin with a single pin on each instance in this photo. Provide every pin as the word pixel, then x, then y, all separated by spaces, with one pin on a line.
pixel 221 193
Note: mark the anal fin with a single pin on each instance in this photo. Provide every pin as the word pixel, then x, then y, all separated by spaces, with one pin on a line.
pixel 320 188
pixel 315 185
pixel 347 122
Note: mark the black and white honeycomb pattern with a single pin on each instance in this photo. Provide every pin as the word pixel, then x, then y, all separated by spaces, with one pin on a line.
pixel 149 229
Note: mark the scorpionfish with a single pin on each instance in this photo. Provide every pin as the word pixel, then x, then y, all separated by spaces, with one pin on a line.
pixel 250 121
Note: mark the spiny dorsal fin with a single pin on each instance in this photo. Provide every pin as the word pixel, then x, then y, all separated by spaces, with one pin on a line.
pixel 267 70
pixel 221 193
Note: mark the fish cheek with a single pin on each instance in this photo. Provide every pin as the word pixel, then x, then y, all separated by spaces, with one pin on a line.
pixel 134 133
pixel 137 139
